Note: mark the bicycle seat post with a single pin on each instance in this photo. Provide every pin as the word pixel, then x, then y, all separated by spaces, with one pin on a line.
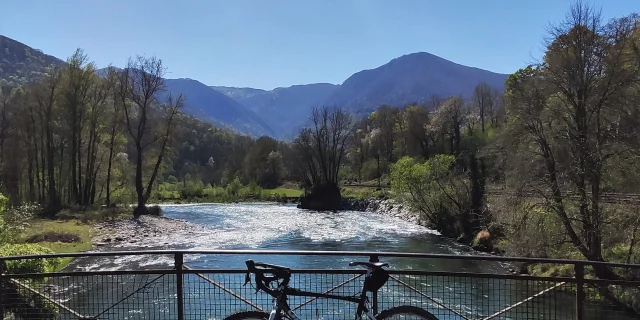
pixel 374 296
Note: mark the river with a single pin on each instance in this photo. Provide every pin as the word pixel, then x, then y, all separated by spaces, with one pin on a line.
pixel 284 227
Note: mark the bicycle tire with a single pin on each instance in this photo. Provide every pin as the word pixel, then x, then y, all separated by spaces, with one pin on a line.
pixel 406 310
pixel 248 315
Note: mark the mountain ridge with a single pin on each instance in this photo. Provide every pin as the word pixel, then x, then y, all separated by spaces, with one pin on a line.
pixel 14 54
pixel 282 108
pixel 411 78
pixel 20 63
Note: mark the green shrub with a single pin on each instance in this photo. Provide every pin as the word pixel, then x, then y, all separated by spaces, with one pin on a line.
pixel 438 192
pixel 14 220
pixel 233 187
pixel 3 202
pixel 254 189
pixel 265 195
pixel 28 265
pixel 192 189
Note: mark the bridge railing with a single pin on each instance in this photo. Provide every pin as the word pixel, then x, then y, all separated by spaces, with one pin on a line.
pixel 183 285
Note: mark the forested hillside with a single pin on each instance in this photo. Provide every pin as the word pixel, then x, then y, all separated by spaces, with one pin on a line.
pixel 20 63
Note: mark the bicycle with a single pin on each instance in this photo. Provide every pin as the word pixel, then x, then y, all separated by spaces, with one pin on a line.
pixel 375 278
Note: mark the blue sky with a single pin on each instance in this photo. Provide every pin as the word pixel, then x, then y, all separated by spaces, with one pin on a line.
pixel 267 44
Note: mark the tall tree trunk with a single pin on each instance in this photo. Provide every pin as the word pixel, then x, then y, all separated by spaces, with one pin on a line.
pixel 140 209
pixel 31 194
pixel 79 163
pixel 159 161
pixel 378 169
pixel 73 164
pixel 42 165
pixel 86 191
pixel 109 161
pixel 61 191
pixel 54 201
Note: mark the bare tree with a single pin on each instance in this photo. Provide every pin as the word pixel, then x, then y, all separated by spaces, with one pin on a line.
pixel 321 149
pixel 77 74
pixel 482 102
pixel 448 121
pixel 45 98
pixel 147 122
pixel 566 120
pixel 417 118
pixel 114 127
pixel 97 106
pixel 7 117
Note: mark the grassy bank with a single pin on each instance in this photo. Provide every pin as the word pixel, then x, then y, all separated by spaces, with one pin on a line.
pixel 61 236
pixel 362 192
pixel 71 232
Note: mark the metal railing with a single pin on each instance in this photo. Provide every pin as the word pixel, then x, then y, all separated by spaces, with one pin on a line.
pixel 182 285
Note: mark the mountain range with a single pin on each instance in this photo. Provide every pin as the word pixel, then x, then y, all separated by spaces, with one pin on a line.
pixel 281 112
pixel 284 109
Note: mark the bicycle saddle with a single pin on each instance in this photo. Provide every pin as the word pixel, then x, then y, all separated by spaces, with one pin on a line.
pixel 370 265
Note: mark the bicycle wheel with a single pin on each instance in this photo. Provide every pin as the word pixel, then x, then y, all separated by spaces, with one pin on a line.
pixel 405 312
pixel 248 315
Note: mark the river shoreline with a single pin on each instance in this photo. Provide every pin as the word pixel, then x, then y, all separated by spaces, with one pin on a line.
pixel 149 230
pixel 116 233
pixel 387 207
pixel 396 209
pixel 143 232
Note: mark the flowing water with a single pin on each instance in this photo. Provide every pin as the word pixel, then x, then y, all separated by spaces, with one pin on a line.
pixel 280 227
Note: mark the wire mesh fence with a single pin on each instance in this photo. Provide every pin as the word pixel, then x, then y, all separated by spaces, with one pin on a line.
pixel 191 293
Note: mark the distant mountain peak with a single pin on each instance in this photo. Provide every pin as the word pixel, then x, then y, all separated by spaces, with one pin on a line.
pixel 414 77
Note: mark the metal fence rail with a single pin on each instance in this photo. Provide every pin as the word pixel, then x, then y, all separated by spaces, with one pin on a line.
pixel 182 290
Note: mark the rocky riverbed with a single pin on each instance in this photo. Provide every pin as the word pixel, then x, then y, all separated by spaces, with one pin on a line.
pixel 146 232
pixel 388 207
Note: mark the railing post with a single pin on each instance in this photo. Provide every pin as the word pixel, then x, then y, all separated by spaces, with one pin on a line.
pixel 374 303
pixel 2 289
pixel 580 294
pixel 179 263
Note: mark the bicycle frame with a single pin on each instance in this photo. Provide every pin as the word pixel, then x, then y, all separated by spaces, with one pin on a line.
pixel 281 306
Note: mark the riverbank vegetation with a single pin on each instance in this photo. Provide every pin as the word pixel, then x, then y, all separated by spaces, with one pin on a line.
pixel 197 191
pixel 23 231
